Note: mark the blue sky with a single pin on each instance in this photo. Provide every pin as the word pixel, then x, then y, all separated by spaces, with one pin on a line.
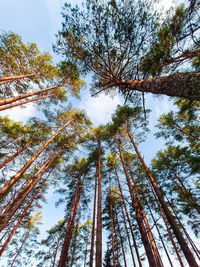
pixel 38 21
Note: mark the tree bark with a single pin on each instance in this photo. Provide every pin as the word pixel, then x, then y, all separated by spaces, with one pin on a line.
pixel 16 98
pixel 153 243
pixel 25 102
pixel 139 219
pixel 188 254
pixel 22 196
pixel 70 225
pixel 6 189
pixel 14 155
pixel 18 252
pixel 129 221
pixel 93 221
pixel 121 240
pixel 99 214
pixel 14 78
pixel 20 219
pixel 185 85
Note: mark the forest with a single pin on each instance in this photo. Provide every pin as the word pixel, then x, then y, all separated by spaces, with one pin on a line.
pixel 117 207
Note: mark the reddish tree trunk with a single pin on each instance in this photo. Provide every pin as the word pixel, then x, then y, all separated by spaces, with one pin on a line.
pixel 189 256
pixel 93 222
pixel 139 219
pixel 14 78
pixel 129 221
pixel 25 102
pixel 16 98
pixel 14 155
pixel 6 189
pixel 99 215
pixel 68 235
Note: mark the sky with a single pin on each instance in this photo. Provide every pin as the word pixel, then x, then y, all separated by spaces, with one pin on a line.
pixel 38 21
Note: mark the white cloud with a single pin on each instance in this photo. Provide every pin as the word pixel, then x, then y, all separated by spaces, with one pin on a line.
pixel 19 114
pixel 99 109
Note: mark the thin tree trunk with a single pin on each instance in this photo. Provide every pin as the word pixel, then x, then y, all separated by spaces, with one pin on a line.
pixel 93 222
pixel 186 234
pixel 18 252
pixel 160 236
pixel 25 102
pixel 55 254
pixel 121 240
pixel 99 215
pixel 167 227
pixel 16 98
pixel 112 231
pixel 129 221
pixel 153 243
pixel 139 219
pixel 184 85
pixel 21 218
pixel 127 233
pixel 68 235
pixel 14 155
pixel 23 197
pixel 6 189
pixel 14 78
pixel 186 191
pixel 189 256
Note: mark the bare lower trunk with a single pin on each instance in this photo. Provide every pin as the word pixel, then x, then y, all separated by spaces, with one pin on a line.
pixel 99 216
pixel 93 222
pixel 25 102
pixel 188 254
pixel 139 219
pixel 129 221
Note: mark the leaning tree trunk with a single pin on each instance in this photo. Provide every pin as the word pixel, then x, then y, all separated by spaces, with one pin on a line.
pixel 151 237
pixel 27 101
pixel 139 218
pixel 16 98
pixel 129 221
pixel 14 155
pixel 186 85
pixel 21 218
pixel 6 189
pixel 188 254
pixel 71 221
pixel 9 79
pixel 19 250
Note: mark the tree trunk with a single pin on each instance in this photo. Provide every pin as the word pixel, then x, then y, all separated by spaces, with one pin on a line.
pixel 14 78
pixel 22 197
pixel 189 256
pixel 70 225
pixel 168 229
pixel 121 240
pixel 112 231
pixel 21 218
pixel 25 102
pixel 18 252
pixel 16 98
pixel 14 155
pixel 99 215
pixel 139 219
pixel 160 236
pixel 127 233
pixel 93 222
pixel 129 221
pixel 6 189
pixel 185 85
pixel 55 254
pixel 153 243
